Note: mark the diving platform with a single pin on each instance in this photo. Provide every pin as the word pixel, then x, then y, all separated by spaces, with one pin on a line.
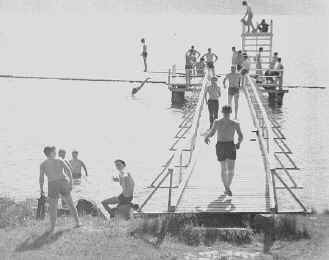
pixel 268 80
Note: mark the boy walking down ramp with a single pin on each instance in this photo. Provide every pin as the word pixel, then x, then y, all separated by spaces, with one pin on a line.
pixel 225 147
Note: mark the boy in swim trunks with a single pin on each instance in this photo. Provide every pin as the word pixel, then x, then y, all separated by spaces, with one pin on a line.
pixel 245 68
pixel 211 58
pixel 225 147
pixel 127 184
pixel 249 15
pixel 61 155
pixel 188 69
pixel 77 166
pixel 213 104
pixel 239 61
pixel 55 170
pixel 144 54
pixel 235 54
pixel 200 67
pixel 194 57
pixel 234 80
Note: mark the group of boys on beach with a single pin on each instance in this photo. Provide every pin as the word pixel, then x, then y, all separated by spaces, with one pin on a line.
pixel 60 174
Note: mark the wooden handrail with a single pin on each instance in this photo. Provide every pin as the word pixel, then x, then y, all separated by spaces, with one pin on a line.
pixel 155 189
pixel 265 143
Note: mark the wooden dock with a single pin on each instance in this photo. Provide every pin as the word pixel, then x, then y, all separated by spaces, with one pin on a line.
pixel 204 192
pixel 261 172
pixel 192 183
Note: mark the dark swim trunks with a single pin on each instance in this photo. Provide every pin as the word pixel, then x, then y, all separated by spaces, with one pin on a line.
pixel 225 150
pixel 233 91
pixel 210 64
pixel 244 72
pixel 124 200
pixel 188 67
pixel 58 187
pixel 144 54
pixel 76 175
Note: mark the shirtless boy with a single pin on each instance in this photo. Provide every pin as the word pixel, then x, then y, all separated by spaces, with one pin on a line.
pixel 211 58
pixel 61 155
pixel 225 147
pixel 77 165
pixel 249 15
pixel 213 104
pixel 54 169
pixel 234 80
pixel 144 54
pixel 127 184
pixel 188 68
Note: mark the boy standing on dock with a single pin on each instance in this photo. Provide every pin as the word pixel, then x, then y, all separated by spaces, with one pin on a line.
pixel 211 58
pixel 225 147
pixel 235 56
pixel 234 80
pixel 213 104
pixel 188 69
pixel 144 54
pixel 54 169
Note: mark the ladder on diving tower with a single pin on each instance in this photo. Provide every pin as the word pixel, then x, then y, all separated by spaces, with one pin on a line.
pixel 251 42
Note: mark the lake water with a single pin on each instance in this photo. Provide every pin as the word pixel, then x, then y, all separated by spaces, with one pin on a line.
pixel 104 122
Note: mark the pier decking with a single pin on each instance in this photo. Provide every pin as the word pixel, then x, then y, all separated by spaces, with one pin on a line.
pixel 190 181
pixel 192 184
pixel 204 191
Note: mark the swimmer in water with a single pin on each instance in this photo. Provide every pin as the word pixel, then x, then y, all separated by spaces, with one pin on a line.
pixel 57 171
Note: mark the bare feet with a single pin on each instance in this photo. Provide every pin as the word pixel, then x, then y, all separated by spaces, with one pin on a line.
pixel 77 225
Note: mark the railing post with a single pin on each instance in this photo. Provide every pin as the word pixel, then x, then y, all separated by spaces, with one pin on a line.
pixel 170 208
pixel 180 167
pixel 169 76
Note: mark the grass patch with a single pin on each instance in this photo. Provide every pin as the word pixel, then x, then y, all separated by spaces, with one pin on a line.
pixel 188 230
pixel 288 227
pixel 14 214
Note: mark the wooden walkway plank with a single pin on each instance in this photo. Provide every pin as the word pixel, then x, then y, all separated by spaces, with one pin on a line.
pixel 204 191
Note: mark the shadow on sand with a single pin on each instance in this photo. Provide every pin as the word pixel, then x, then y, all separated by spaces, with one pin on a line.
pixel 37 241
pixel 221 204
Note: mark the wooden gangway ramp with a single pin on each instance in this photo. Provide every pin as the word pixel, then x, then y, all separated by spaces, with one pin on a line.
pixel 190 179
pixel 204 191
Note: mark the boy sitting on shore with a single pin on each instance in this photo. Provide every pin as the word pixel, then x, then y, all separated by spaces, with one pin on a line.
pixel 127 184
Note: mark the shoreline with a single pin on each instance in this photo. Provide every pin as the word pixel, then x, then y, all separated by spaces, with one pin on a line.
pixel 21 237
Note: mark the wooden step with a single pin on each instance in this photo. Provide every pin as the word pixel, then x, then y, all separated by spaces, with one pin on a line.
pixel 260 44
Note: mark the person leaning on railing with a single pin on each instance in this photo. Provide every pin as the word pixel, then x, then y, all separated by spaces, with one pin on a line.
pixel 278 71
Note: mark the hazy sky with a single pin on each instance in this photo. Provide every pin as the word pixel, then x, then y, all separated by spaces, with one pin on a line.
pixel 151 6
